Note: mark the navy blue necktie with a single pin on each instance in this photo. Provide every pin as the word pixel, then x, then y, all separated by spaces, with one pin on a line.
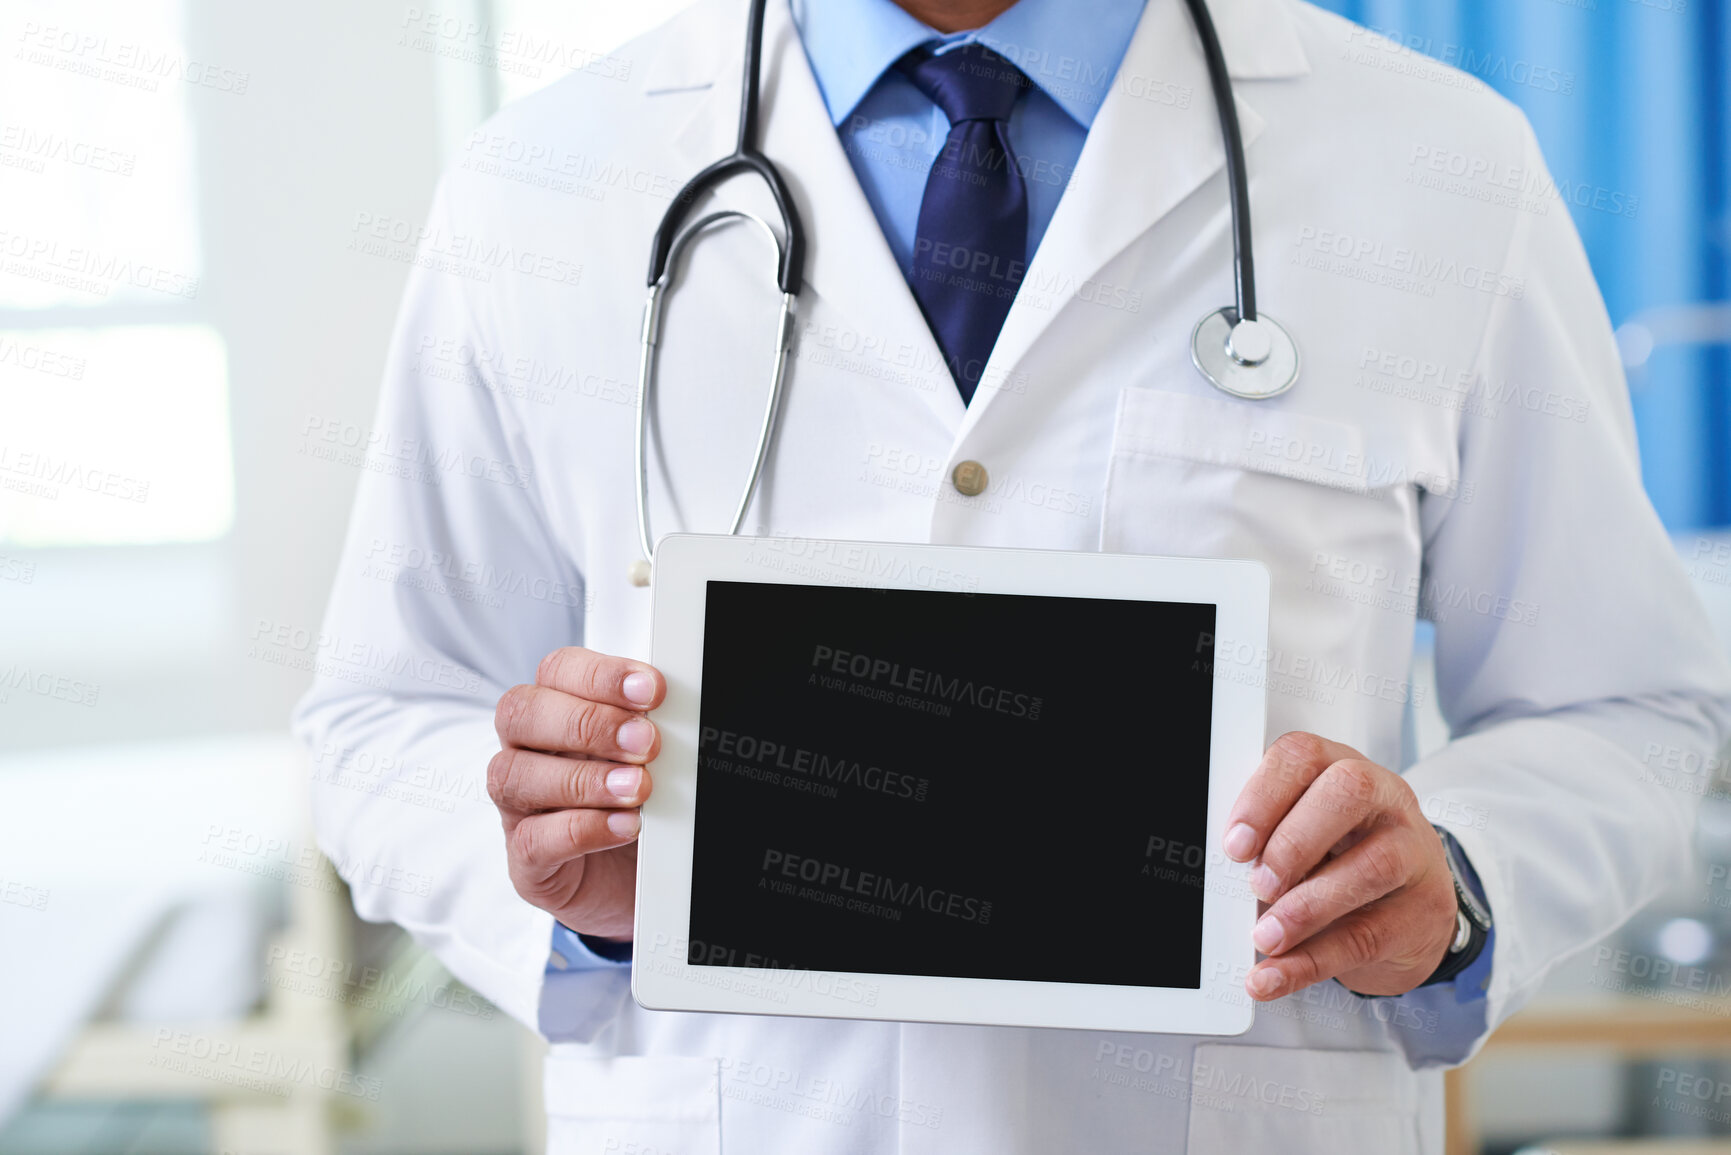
pixel 971 245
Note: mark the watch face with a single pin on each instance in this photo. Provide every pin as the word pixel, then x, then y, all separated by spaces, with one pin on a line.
pixel 1470 905
pixel 1463 933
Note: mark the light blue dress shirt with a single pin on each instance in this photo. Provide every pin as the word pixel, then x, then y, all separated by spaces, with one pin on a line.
pixel 1071 50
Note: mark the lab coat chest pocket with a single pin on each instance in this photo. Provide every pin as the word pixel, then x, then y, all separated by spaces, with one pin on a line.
pixel 1216 477
pixel 1198 476
pixel 648 1105
pixel 1298 1101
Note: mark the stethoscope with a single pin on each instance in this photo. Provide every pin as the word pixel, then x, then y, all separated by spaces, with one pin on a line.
pixel 1240 351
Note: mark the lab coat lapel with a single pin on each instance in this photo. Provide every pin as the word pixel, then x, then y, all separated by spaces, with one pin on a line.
pixel 1144 156
pixel 848 262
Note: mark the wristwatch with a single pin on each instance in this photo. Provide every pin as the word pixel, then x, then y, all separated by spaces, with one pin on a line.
pixel 1472 919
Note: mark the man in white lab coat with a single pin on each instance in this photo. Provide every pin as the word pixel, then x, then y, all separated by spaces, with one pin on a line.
pixel 1459 447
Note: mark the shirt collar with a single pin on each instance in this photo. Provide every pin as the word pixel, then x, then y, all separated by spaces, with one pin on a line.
pixel 1070 48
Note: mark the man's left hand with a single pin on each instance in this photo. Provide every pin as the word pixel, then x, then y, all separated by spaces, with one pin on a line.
pixel 1355 881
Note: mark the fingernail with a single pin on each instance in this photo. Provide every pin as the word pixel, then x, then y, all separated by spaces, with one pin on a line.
pixel 1264 884
pixel 636 736
pixel 639 687
pixel 624 823
pixel 1265 981
pixel 1268 934
pixel 623 781
pixel 1240 842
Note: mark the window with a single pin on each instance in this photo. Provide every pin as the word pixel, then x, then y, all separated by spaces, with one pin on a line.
pixel 113 385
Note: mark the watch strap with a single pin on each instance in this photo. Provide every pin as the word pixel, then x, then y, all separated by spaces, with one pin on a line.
pixel 1455 961
pixel 1471 916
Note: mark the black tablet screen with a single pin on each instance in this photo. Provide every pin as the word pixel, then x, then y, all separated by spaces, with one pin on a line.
pixel 952 784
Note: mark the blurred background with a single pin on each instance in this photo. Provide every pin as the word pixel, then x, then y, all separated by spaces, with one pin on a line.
pixel 184 185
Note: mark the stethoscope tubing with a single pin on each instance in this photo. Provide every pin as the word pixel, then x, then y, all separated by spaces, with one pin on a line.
pixel 1237 175
pixel 673 234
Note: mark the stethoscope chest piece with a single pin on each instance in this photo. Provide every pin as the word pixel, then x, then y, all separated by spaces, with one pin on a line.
pixel 1249 359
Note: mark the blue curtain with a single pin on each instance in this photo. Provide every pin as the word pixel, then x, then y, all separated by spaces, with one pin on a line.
pixel 1631 100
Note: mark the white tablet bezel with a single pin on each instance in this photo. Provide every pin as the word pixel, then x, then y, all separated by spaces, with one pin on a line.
pixel 662 978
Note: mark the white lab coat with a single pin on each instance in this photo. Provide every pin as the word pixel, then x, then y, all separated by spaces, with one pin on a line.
pixel 1461 421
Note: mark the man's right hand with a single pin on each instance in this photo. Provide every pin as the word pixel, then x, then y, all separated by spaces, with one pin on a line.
pixel 568 781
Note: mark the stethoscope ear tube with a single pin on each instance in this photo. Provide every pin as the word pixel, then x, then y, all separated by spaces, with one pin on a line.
pixel 651 338
pixel 1237 179
pixel 745 159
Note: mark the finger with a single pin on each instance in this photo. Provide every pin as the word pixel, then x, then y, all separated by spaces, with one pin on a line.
pixel 545 842
pixel 602 678
pixel 1377 866
pixel 527 782
pixel 538 718
pixel 1351 942
pixel 1341 798
pixel 1288 767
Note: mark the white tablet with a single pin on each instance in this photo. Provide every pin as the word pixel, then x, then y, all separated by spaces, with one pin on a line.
pixel 945 784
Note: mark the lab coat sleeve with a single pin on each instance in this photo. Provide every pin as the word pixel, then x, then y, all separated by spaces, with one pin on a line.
pixel 448 591
pixel 1573 657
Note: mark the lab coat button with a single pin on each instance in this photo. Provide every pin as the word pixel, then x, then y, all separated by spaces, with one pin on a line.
pixel 969 478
